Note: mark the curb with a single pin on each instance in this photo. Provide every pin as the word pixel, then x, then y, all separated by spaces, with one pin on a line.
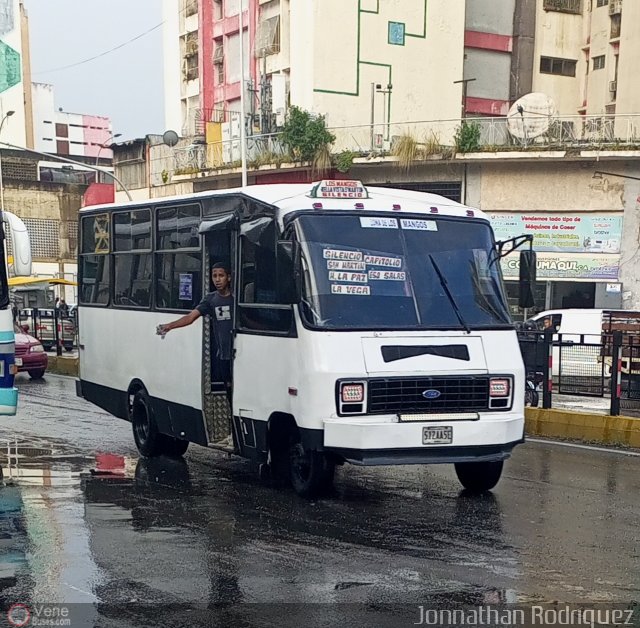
pixel 591 428
pixel 63 366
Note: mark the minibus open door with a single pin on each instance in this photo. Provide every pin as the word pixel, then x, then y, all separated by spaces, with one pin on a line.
pixel 220 234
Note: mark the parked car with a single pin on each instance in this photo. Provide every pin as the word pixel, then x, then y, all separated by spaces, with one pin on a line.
pixel 30 355
pixel 44 330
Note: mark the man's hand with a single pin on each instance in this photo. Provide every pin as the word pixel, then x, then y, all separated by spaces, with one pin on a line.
pixel 162 330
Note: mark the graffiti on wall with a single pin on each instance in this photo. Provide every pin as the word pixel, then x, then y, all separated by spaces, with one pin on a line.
pixel 10 71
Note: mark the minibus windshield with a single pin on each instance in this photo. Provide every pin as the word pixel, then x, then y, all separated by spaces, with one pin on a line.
pixel 408 272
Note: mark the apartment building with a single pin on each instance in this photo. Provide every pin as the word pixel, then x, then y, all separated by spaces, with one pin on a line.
pixel 585 55
pixel 352 61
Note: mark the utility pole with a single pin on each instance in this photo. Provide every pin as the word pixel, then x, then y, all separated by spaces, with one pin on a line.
pixel 243 120
pixel 386 94
pixel 373 113
pixel 464 94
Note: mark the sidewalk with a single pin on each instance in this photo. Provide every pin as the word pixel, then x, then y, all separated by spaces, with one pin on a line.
pixel 585 419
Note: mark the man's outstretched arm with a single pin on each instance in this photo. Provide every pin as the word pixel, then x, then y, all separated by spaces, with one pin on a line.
pixel 183 321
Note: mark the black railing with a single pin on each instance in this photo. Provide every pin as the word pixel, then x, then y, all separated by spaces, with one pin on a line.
pixel 606 365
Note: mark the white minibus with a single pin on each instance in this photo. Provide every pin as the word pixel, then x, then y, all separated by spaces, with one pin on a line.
pixel 370 327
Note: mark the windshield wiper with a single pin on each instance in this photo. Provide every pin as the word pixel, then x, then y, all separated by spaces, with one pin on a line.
pixel 445 287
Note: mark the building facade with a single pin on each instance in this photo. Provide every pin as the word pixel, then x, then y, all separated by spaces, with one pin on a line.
pixel 63 133
pixel 585 54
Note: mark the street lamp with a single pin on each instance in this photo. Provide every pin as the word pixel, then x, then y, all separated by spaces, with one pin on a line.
pixel 464 82
pixel 7 115
pixel 106 145
pixel 598 175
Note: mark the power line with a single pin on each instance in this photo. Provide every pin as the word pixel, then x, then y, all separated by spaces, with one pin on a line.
pixel 102 54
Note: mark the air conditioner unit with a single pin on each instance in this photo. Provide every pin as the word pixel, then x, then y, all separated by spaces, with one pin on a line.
pixel 613 86
pixel 615 7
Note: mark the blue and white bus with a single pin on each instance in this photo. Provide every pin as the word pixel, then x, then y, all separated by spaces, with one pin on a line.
pixel 371 327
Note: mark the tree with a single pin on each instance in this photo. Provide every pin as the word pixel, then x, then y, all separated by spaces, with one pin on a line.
pixel 305 135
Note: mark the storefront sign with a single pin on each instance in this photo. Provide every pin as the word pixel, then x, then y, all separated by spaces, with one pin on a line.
pixel 569 266
pixel 562 232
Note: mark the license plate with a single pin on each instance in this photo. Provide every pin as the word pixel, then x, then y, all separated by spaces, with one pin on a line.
pixel 437 435
pixel 18 361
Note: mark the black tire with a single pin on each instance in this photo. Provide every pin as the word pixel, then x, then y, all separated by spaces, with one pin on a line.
pixel 311 472
pixel 36 374
pixel 531 397
pixel 149 441
pixel 478 477
pixel 47 347
pixel 68 348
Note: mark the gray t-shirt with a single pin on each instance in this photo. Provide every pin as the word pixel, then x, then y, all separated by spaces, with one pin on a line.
pixel 220 309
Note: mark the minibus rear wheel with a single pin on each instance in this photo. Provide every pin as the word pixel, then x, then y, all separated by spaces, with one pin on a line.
pixel 145 431
pixel 311 471
pixel 479 476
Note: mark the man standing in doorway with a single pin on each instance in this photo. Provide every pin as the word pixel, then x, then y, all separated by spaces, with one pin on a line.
pixel 219 306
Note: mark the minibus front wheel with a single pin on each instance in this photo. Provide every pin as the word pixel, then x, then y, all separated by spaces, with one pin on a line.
pixel 311 471
pixel 479 476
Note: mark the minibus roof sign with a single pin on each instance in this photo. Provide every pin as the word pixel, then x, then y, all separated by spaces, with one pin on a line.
pixel 339 188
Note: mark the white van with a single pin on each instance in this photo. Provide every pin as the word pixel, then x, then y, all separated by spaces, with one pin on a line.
pixel 574 326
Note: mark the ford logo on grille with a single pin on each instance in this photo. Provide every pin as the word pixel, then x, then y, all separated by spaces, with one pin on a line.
pixel 431 394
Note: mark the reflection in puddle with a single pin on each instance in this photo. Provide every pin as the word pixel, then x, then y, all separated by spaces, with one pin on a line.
pixel 114 529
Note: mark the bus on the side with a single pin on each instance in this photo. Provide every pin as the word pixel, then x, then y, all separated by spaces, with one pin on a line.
pixel 370 327
pixel 20 264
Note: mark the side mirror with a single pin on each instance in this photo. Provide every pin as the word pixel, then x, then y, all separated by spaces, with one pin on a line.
pixel 25 328
pixel 527 279
pixel 288 271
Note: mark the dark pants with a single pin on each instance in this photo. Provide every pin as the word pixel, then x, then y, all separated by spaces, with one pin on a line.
pixel 221 372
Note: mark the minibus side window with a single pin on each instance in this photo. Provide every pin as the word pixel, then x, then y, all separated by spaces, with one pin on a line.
pixel 94 260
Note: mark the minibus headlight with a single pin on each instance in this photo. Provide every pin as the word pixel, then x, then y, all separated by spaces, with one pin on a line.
pixel 352 392
pixel 499 387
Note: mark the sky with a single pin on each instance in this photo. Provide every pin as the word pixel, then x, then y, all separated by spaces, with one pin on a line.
pixel 126 84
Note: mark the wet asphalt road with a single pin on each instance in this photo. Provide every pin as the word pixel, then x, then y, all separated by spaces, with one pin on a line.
pixel 203 542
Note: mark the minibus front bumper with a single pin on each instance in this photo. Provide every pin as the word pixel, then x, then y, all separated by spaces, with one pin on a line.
pixel 368 442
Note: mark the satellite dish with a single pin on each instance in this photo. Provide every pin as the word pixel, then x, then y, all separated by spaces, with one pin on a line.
pixel 530 115
pixel 170 138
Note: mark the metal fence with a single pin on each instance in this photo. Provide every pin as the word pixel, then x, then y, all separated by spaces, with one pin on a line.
pixel 57 331
pixel 606 365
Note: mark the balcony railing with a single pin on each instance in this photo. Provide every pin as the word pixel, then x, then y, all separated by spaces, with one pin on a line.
pixel 432 139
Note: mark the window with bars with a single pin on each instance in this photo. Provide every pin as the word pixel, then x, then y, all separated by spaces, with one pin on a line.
pixel 20 169
pixel 563 6
pixel 561 67
pixel 598 62
pixel 45 237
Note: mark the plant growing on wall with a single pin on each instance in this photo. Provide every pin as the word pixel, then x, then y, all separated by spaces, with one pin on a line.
pixel 467 137
pixel 406 150
pixel 344 161
pixel 305 135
